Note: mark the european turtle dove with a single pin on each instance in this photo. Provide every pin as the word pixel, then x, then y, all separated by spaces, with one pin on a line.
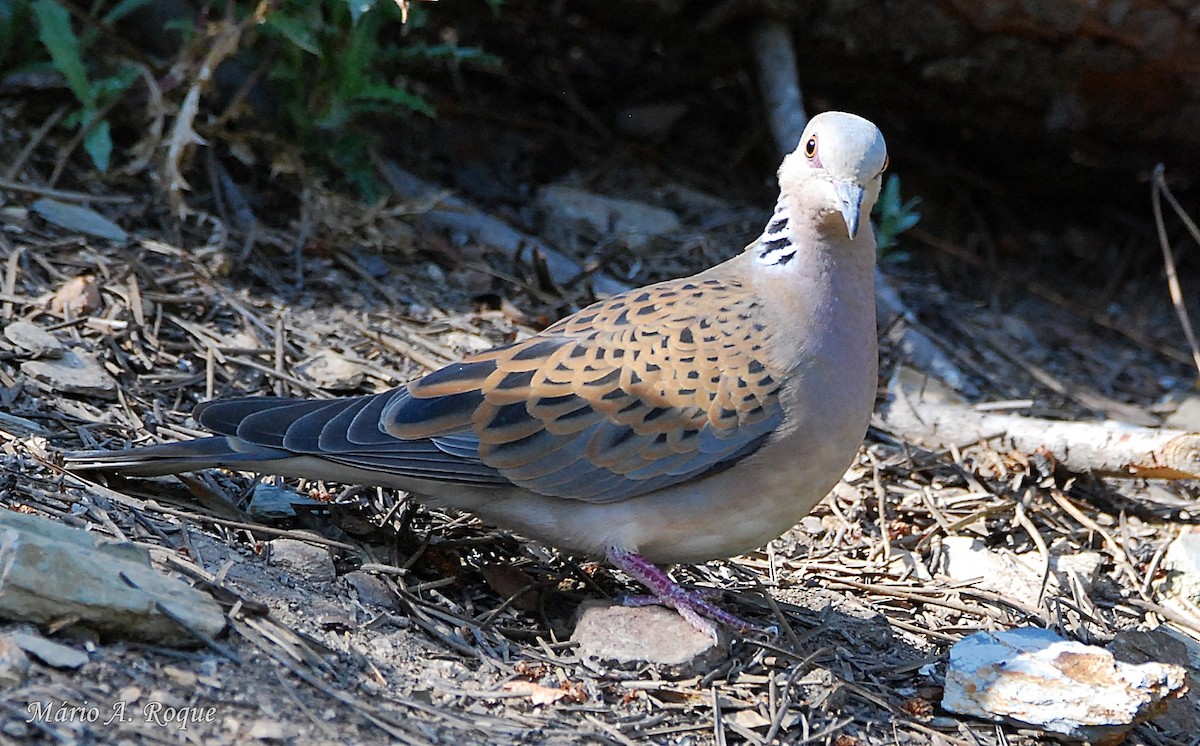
pixel 685 421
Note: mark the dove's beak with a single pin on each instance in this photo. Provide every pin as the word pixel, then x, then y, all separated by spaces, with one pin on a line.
pixel 849 197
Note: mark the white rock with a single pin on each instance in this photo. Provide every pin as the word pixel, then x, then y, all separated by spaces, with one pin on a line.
pixel 1186 416
pixel 1015 575
pixel 1033 677
pixel 1182 562
pixel 268 730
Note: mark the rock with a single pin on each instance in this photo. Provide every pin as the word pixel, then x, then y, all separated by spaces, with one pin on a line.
pixel 1034 678
pixel 1182 563
pixel 1182 717
pixel 73 373
pixel 570 212
pixel 47 651
pixel 270 502
pixel 642 634
pixel 268 730
pixel 78 218
pixel 303 559
pixel 50 572
pixel 1015 575
pixel 1186 416
pixel 14 664
pixel 371 589
pixel 33 340
pixel 332 371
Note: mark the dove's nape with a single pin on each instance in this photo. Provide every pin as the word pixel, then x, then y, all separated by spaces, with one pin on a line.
pixel 685 421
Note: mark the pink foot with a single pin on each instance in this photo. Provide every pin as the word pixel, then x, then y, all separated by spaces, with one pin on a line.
pixel 692 606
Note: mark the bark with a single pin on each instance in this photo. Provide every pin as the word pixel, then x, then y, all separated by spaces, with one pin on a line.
pixel 921 411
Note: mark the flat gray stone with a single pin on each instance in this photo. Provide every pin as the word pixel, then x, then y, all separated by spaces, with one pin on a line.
pixel 1015 575
pixel 49 652
pixel 303 559
pixel 1182 563
pixel 73 373
pixel 371 589
pixel 270 502
pixel 33 340
pixel 610 632
pixel 51 572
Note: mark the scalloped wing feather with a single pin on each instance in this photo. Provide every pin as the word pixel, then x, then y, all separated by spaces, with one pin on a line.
pixel 638 392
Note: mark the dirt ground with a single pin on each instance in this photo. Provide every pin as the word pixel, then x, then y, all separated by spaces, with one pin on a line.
pixel 444 646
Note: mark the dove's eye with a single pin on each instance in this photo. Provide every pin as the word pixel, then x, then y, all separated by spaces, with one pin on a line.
pixel 887 160
pixel 810 147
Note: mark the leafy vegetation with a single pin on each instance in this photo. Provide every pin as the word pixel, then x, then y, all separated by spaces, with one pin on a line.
pixel 94 94
pixel 893 217
pixel 327 64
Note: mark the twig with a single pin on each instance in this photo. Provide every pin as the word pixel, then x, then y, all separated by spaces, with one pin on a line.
pixel 1158 189
pixel 922 412
pixel 64 195
pixel 779 83
pixel 34 140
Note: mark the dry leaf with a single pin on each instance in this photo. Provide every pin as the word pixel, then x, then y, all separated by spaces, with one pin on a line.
pixel 506 580
pixel 79 296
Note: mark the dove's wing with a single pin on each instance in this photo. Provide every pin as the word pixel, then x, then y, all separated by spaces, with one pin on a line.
pixel 636 393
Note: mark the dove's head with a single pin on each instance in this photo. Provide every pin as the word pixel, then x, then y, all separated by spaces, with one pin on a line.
pixel 835 174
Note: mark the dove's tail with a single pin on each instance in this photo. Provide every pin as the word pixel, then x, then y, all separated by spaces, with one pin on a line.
pixel 172 458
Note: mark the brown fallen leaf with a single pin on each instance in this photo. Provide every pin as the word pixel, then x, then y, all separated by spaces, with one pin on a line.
pixel 80 296
pixel 507 580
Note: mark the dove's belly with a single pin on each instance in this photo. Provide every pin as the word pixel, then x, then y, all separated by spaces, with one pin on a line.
pixel 730 513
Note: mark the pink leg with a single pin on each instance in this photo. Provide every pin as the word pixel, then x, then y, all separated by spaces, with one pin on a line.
pixel 708 594
pixel 691 606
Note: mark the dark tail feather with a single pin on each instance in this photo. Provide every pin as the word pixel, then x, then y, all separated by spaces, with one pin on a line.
pixel 171 458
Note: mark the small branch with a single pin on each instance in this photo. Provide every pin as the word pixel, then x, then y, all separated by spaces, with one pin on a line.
pixel 1158 189
pixel 923 412
pixel 779 83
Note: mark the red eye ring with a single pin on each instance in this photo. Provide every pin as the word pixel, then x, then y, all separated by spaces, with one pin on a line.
pixel 887 161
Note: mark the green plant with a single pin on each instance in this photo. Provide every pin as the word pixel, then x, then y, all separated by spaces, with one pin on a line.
pixel 95 94
pixel 337 62
pixel 893 217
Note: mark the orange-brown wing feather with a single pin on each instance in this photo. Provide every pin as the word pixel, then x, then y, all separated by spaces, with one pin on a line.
pixel 635 393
